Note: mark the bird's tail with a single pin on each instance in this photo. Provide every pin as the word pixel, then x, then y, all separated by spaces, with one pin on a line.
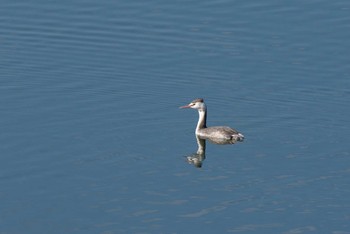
pixel 239 137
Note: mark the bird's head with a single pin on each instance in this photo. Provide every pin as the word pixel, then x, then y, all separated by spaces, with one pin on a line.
pixel 197 104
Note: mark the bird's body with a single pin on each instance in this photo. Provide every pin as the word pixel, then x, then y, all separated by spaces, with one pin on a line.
pixel 216 133
pixel 219 132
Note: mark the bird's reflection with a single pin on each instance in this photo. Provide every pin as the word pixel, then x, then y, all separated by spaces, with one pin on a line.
pixel 197 158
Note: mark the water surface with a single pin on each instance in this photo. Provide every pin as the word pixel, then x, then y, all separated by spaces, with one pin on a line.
pixel 93 140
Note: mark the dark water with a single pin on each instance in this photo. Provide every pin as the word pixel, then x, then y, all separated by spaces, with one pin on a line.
pixel 92 140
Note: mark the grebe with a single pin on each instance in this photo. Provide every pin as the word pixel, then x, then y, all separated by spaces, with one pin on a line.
pixel 218 132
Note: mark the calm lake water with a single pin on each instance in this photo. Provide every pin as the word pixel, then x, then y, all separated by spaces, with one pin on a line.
pixel 92 140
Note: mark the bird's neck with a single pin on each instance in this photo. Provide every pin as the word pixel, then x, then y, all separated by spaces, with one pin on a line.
pixel 202 121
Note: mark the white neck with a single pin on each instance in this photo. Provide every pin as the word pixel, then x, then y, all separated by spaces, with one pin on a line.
pixel 202 121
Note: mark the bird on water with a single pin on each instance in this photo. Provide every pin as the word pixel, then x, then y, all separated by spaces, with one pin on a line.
pixel 218 132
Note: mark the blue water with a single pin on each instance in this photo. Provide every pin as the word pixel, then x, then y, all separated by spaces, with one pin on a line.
pixel 92 140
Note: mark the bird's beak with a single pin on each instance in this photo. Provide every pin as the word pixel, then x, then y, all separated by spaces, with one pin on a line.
pixel 183 107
